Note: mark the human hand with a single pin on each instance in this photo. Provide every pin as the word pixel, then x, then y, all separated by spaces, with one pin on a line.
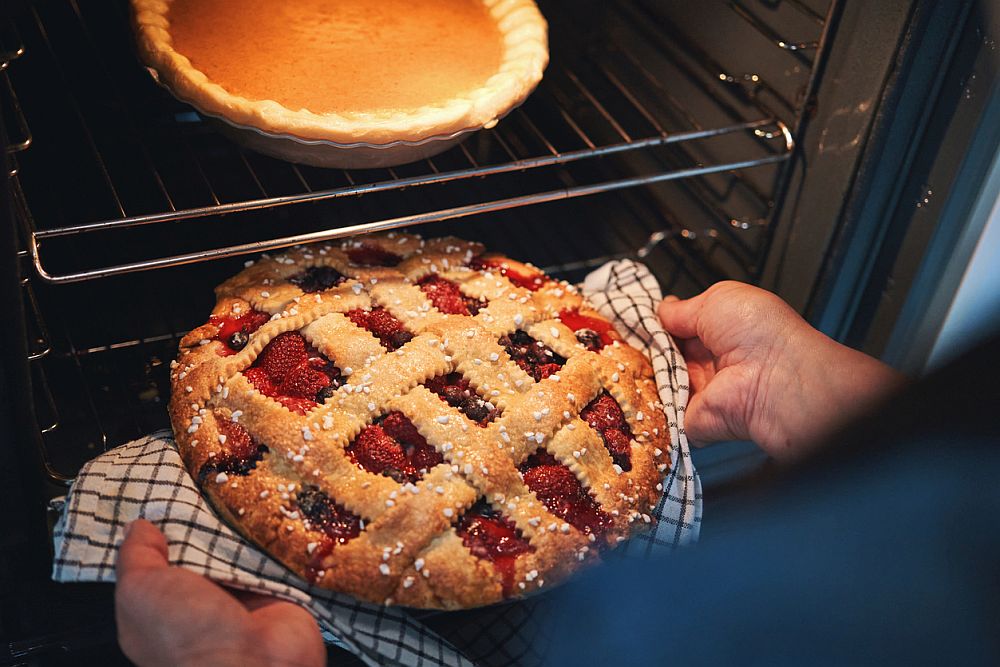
pixel 170 616
pixel 758 371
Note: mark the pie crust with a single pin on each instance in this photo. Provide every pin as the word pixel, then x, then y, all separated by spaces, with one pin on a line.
pixel 523 56
pixel 301 476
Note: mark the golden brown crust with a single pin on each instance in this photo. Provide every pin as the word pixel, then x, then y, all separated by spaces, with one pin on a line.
pixel 408 551
pixel 524 56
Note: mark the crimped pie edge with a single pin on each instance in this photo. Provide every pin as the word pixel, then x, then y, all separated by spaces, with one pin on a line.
pixel 525 55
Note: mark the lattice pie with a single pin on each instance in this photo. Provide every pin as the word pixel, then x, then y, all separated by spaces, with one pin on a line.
pixel 416 422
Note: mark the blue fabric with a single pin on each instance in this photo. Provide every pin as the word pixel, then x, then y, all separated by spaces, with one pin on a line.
pixel 886 550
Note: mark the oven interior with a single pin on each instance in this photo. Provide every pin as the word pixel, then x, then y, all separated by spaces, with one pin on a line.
pixel 646 139
pixel 662 131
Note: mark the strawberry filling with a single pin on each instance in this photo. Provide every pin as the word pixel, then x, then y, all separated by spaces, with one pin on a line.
pixel 294 373
pixel 456 392
pixel 337 523
pixel 318 278
pixel 240 456
pixel 561 492
pixel 393 447
pixel 592 332
pixel 522 276
pixel 606 417
pixel 447 297
pixel 380 322
pixel 368 254
pixel 235 331
pixel 488 535
pixel 534 357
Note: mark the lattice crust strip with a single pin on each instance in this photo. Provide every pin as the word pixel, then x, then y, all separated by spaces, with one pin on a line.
pixel 385 323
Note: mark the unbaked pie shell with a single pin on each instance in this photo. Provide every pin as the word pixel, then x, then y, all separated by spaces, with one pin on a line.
pixel 525 55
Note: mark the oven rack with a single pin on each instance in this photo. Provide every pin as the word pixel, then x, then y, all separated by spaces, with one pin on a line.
pixel 589 116
pixel 37 237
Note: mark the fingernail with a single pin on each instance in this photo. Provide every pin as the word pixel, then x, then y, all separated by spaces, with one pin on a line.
pixel 128 528
pixel 671 297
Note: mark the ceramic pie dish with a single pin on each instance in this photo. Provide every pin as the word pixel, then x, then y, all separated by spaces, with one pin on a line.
pixel 417 422
pixel 346 83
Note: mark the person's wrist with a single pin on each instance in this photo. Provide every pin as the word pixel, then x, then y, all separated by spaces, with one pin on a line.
pixel 827 385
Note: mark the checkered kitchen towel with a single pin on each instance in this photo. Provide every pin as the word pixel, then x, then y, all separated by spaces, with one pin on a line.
pixel 146 478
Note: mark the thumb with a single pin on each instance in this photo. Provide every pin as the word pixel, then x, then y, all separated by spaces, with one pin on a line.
pixel 144 548
pixel 680 317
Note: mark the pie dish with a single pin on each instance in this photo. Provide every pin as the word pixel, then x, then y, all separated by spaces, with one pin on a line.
pixel 417 422
pixel 348 73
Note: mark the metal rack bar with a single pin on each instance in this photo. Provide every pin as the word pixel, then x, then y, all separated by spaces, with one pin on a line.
pixel 537 132
pixel 475 171
pixel 23 141
pixel 39 344
pixel 795 47
pixel 12 48
pixel 403 221
pixel 40 383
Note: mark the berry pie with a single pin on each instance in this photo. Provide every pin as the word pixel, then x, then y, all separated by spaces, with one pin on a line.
pixel 418 422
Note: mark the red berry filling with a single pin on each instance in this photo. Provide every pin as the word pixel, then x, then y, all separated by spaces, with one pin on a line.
pixel 235 331
pixel 336 522
pixel 447 297
pixel 321 513
pixel 456 392
pixel 393 447
pixel 294 373
pixel 380 322
pixel 592 332
pixel 368 254
pixel 241 455
pixel 561 492
pixel 488 535
pixel 522 276
pixel 606 417
pixel 318 278
pixel 534 357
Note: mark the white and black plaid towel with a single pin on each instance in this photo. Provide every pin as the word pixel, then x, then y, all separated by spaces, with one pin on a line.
pixel 145 478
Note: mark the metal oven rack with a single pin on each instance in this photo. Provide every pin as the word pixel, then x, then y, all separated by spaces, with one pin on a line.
pixel 687 148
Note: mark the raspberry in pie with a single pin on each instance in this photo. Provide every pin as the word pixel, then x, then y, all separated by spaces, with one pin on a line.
pixel 416 422
pixel 347 71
